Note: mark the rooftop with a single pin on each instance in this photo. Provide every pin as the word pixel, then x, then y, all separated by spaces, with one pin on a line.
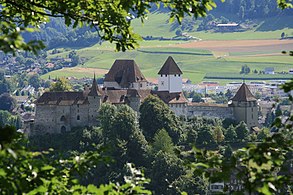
pixel 124 72
pixel 243 94
pixel 170 67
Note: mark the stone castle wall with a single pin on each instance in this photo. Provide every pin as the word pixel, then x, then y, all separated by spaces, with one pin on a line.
pixel 210 111
pixel 58 118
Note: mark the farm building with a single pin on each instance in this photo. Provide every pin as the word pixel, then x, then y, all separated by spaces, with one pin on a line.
pixel 269 70
pixel 229 27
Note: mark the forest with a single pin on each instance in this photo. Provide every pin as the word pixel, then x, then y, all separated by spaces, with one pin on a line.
pixel 156 153
pixel 56 34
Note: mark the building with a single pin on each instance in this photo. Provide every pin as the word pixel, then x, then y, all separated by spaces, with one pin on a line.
pixel 269 70
pixel 228 27
pixel 58 112
pixel 245 107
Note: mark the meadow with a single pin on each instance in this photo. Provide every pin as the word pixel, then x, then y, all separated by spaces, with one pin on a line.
pixel 196 61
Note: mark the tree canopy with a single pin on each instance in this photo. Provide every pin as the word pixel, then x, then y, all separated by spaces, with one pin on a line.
pixel 111 19
pixel 61 84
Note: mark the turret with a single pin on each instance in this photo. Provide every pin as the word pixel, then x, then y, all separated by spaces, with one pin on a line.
pixel 94 99
pixel 170 77
pixel 245 106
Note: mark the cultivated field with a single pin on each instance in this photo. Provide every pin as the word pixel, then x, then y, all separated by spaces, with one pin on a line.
pixel 217 52
pixel 266 46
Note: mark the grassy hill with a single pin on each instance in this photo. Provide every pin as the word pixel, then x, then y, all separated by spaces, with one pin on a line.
pixel 194 62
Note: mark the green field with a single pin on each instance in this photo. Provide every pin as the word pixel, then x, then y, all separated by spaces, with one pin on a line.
pixel 251 76
pixel 195 63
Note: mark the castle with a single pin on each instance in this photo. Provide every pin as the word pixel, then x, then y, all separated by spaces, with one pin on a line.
pixel 58 112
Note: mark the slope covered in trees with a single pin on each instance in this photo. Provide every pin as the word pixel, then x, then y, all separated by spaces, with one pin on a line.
pixel 56 34
pixel 251 9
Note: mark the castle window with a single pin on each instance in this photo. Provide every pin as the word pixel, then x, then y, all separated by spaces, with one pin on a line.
pixel 77 110
pixel 78 105
pixel 161 75
pixel 141 85
pixel 175 75
pixel 78 117
pixel 63 129
pixel 165 75
pixel 62 118
pixel 179 75
pixel 162 83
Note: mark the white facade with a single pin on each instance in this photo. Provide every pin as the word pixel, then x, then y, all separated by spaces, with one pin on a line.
pixel 171 83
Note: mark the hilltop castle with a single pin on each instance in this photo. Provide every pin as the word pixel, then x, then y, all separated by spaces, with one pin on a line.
pixel 125 84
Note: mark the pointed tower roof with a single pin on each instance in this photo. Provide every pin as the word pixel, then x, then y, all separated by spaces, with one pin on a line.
pixel 170 67
pixel 94 91
pixel 124 72
pixel 243 94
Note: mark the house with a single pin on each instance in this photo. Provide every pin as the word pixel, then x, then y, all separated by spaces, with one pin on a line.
pixel 269 70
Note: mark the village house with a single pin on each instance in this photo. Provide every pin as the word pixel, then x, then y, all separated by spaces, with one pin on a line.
pixel 269 70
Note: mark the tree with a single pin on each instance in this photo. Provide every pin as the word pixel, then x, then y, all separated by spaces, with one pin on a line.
pixel 74 58
pixel 162 142
pixel 218 134
pixel 283 35
pixel 166 169
pixel 178 32
pixel 120 131
pixel 278 111
pixel 4 86
pixel 36 173
pixel 245 69
pixel 156 115
pixel 35 81
pixel 113 25
pixel 6 118
pixel 7 102
pixel 196 97
pixel 230 135
pixel 229 94
pixel 205 136
pixel 263 134
pixel 61 84
pixel 270 117
pixel 29 62
pixel 242 131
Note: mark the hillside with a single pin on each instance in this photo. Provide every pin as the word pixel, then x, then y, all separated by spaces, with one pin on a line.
pixel 195 58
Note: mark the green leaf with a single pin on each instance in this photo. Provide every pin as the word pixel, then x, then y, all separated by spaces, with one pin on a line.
pixel 2 173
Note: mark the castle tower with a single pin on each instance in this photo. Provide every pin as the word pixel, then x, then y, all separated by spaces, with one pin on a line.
pixel 170 77
pixel 245 107
pixel 125 74
pixel 94 99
